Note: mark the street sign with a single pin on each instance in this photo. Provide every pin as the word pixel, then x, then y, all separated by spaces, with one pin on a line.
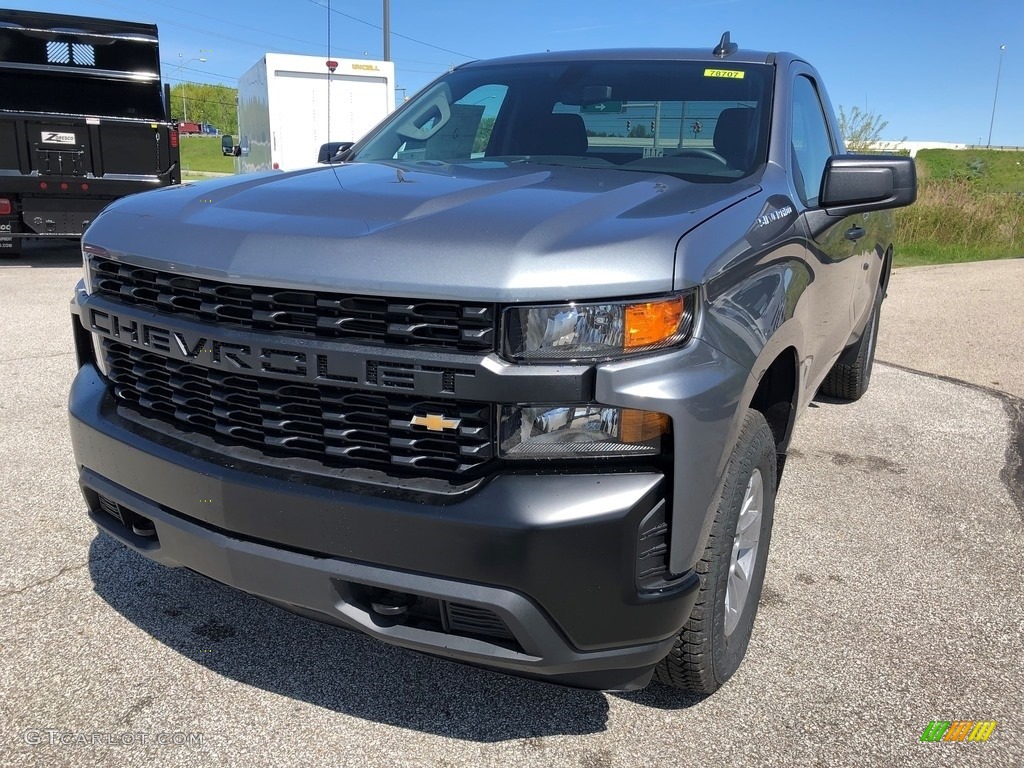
pixel 602 108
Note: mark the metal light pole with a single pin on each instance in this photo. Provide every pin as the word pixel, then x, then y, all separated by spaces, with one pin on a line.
pixel 181 69
pixel 387 30
pixel 999 71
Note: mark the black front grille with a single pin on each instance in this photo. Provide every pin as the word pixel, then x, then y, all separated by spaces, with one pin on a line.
pixel 474 620
pixel 111 507
pixel 359 319
pixel 337 426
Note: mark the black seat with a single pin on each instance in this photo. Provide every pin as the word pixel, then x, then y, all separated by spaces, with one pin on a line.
pixel 735 137
pixel 555 134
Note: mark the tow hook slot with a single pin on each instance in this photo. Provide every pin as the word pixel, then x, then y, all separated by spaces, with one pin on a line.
pixel 143 527
pixel 392 604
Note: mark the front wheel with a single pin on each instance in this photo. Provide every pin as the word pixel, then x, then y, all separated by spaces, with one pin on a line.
pixel 712 643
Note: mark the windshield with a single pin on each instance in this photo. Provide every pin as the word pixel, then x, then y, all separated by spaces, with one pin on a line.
pixel 702 121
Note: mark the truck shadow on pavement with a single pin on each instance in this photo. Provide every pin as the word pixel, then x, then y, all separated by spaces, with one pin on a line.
pixel 244 639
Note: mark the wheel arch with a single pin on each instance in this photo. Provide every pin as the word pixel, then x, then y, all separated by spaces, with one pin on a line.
pixel 886 270
pixel 776 396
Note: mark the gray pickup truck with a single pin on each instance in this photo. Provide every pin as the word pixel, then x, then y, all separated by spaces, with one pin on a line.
pixel 512 380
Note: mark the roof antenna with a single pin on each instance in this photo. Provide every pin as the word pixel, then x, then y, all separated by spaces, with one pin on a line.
pixel 725 47
pixel 331 65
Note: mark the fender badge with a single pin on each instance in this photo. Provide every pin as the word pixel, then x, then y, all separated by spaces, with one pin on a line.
pixel 435 422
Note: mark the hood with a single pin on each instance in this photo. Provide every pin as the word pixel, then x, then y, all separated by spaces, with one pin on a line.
pixel 482 232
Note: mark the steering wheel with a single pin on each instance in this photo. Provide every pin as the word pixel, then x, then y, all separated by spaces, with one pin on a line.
pixel 707 154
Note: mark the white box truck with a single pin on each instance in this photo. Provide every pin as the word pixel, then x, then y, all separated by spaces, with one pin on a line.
pixel 284 102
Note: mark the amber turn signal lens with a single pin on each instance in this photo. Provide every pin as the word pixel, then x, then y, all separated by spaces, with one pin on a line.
pixel 653 321
pixel 642 426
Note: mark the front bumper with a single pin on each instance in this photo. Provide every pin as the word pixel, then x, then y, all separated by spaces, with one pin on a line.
pixel 552 556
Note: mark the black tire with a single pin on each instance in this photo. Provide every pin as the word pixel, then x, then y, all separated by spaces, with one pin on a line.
pixel 705 655
pixel 851 374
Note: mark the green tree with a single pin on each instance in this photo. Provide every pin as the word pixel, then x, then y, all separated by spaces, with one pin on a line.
pixel 638 131
pixel 213 104
pixel 862 131
pixel 483 134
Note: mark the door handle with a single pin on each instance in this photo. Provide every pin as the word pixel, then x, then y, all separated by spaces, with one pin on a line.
pixel 855 233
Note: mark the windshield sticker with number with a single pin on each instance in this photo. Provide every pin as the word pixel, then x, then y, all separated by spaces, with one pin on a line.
pixel 734 74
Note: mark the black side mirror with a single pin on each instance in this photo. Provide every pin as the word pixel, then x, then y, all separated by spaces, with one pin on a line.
pixel 862 183
pixel 237 152
pixel 332 151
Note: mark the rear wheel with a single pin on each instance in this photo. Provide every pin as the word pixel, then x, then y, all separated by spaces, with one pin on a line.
pixel 712 643
pixel 851 374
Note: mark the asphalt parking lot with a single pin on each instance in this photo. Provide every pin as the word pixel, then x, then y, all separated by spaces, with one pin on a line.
pixel 893 598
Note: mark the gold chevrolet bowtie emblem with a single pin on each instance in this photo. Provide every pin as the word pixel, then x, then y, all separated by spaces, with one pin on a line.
pixel 435 422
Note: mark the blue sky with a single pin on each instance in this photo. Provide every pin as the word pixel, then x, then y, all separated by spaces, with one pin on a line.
pixel 929 68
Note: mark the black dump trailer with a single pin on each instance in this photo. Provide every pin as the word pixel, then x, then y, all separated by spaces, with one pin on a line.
pixel 84 120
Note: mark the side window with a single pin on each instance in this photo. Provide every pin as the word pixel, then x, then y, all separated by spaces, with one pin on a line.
pixel 811 144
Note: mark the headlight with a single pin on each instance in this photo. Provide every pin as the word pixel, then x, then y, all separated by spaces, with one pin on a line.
pixel 538 432
pixel 594 331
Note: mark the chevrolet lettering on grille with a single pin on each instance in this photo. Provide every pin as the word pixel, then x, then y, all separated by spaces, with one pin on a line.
pixel 288 359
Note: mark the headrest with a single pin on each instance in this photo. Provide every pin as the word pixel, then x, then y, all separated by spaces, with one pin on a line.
pixel 734 136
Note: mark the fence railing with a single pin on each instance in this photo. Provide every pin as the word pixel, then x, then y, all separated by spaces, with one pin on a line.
pixel 993 146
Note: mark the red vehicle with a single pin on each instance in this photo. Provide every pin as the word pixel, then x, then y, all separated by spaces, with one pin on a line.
pixel 189 128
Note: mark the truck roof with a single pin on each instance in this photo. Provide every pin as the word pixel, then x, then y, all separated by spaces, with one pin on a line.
pixel 637 54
